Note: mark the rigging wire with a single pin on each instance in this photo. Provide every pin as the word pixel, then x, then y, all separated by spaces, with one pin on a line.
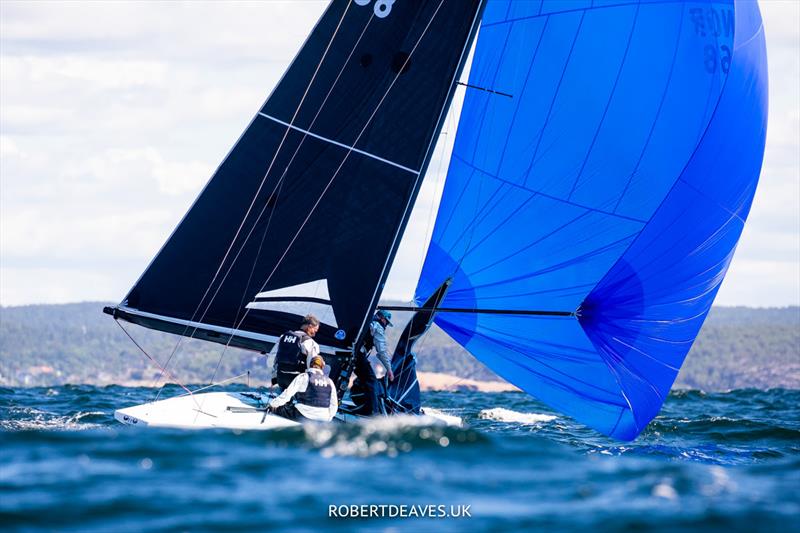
pixel 436 193
pixel 236 324
pixel 163 370
pixel 403 364
pixel 485 89
pixel 249 279
pixel 218 383
pixel 252 203
pixel 449 126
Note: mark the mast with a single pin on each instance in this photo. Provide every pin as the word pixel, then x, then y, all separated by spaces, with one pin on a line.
pixel 348 366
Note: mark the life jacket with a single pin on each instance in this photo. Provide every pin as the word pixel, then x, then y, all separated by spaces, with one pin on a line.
pixel 290 358
pixel 318 392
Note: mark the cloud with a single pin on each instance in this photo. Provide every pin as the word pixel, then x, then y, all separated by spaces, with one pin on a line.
pixel 121 165
pixel 204 32
pixel 114 114
pixel 60 284
pixel 760 283
pixel 112 118
pixel 79 210
pixel 8 148
pixel 99 74
pixel 766 267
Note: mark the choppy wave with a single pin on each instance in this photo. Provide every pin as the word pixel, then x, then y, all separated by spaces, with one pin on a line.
pixel 502 414
pixel 709 460
pixel 31 418
pixel 385 436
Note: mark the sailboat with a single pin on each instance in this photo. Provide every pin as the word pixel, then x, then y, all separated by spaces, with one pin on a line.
pixel 605 162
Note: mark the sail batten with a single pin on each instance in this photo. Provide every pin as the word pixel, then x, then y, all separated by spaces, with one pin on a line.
pixel 349 148
pixel 532 312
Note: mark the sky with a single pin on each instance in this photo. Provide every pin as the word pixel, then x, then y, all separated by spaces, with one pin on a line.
pixel 113 115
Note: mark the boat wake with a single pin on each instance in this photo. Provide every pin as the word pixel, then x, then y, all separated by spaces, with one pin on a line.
pixel 501 414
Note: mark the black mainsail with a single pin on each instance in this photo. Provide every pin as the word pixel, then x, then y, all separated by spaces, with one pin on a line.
pixel 317 191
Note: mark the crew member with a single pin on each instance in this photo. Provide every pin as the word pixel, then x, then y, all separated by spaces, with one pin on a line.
pixel 375 338
pixel 295 350
pixel 314 394
pixel 377 329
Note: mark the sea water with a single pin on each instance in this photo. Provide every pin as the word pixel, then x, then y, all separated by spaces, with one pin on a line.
pixel 718 461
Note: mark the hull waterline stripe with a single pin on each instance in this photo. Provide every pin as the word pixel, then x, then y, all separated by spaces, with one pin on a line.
pixel 342 145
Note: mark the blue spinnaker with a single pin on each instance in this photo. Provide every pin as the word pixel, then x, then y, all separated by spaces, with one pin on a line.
pixel 614 183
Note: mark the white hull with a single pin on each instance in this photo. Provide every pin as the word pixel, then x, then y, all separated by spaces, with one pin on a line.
pixel 230 410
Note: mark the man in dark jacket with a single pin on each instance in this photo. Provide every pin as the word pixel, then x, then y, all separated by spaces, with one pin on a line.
pixel 295 350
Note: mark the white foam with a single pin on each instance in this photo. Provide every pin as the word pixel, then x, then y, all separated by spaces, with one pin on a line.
pixel 665 490
pixel 507 415
pixel 42 420
pixel 387 436
pixel 395 423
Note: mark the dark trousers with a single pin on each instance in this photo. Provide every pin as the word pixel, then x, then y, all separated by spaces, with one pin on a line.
pixel 373 391
pixel 288 410
pixel 285 379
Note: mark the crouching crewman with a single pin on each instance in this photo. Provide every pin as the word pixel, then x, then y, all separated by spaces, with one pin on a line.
pixel 314 396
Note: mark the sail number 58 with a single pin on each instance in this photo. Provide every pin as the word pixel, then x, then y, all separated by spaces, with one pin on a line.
pixel 382 8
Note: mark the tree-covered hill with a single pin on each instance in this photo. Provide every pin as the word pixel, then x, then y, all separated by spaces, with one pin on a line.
pixel 76 343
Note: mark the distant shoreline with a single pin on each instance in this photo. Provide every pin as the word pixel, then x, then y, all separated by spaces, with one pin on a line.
pixel 49 345
pixel 438 381
pixel 428 382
